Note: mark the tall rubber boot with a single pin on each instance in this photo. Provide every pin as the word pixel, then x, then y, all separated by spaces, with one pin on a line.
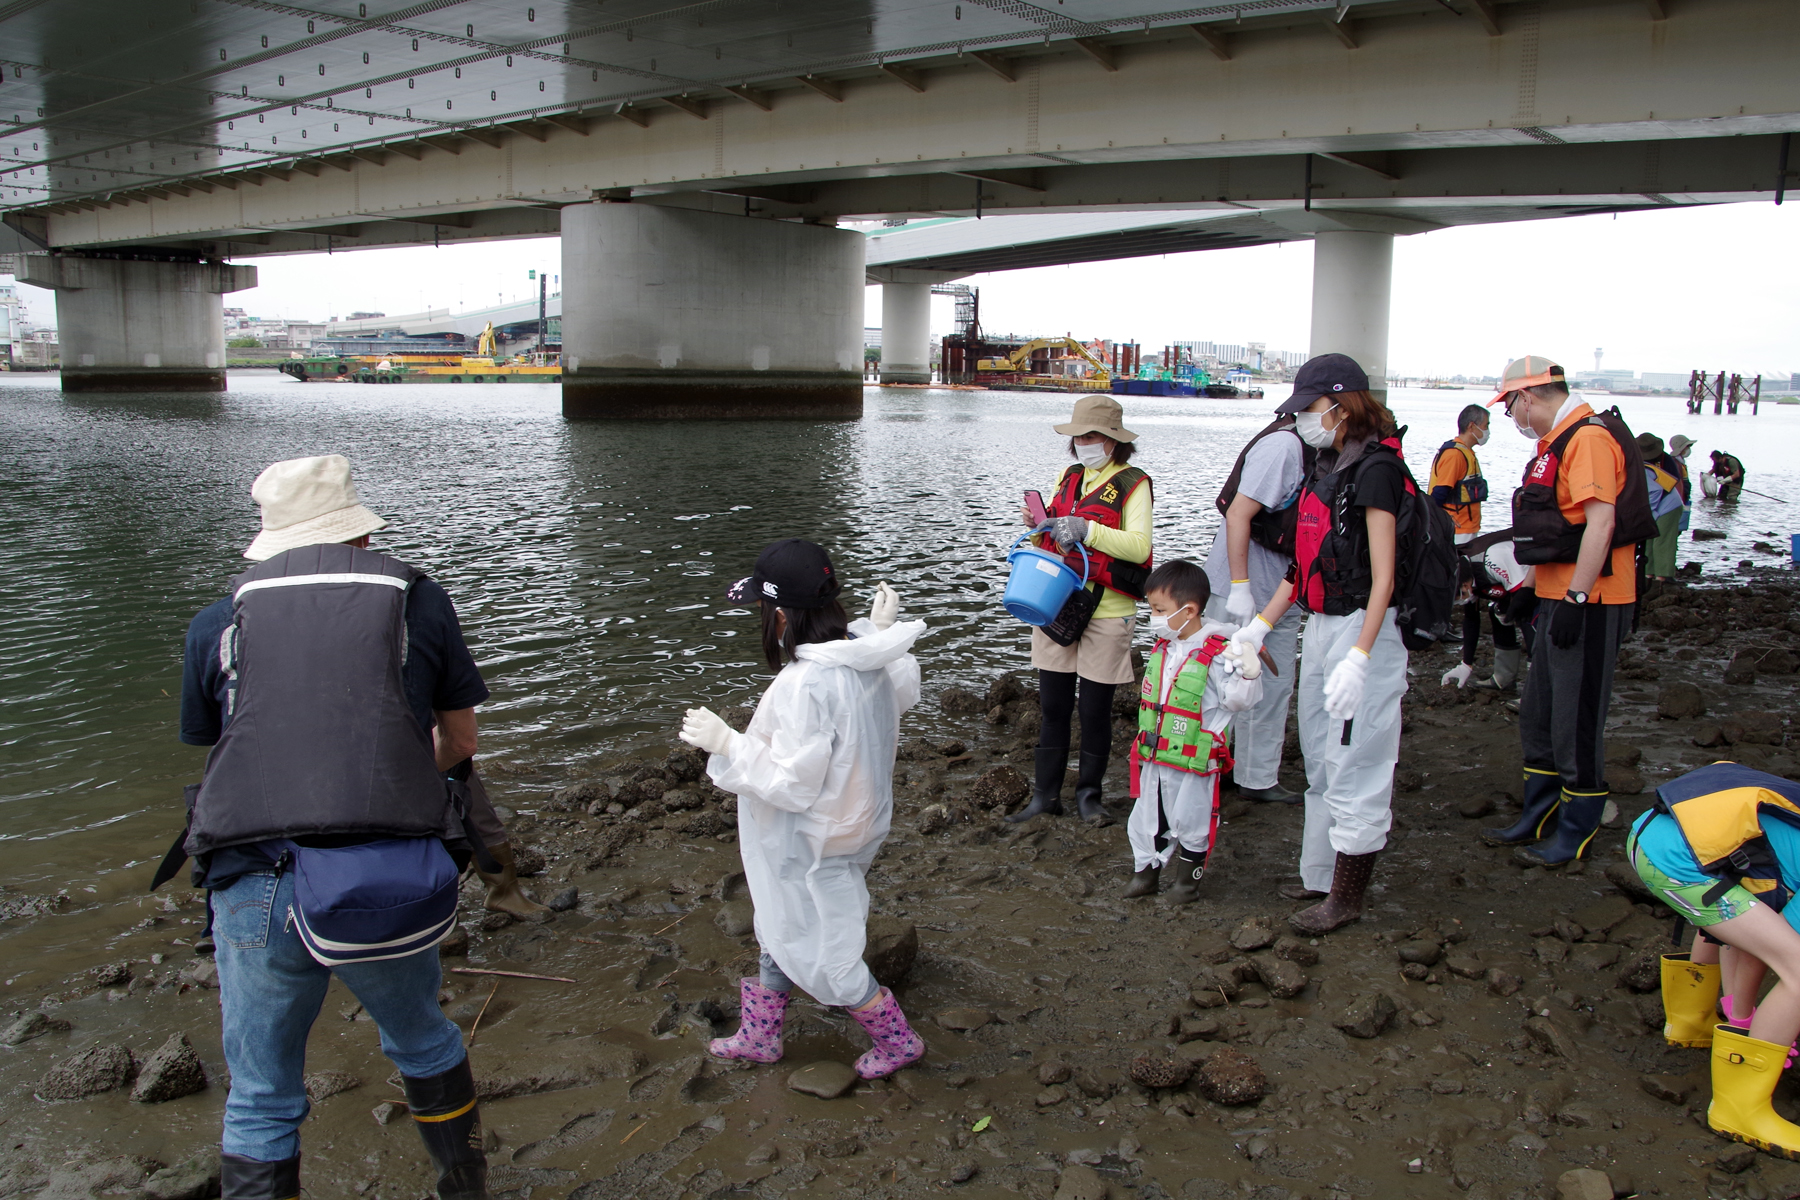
pixel 1577 821
pixel 1091 771
pixel 1187 868
pixel 449 1120
pixel 1542 789
pixel 503 891
pixel 1744 1074
pixel 243 1178
pixel 1344 903
pixel 762 1012
pixel 1046 786
pixel 1690 991
pixel 1506 671
pixel 896 1045
pixel 1143 883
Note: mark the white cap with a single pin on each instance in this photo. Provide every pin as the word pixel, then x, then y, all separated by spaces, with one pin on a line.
pixel 308 502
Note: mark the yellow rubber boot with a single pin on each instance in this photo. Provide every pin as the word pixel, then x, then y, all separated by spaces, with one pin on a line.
pixel 1690 996
pixel 1744 1074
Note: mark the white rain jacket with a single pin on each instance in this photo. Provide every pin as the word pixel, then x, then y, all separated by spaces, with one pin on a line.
pixel 1187 800
pixel 814 777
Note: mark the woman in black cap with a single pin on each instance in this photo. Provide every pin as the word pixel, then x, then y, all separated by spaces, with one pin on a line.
pixel 1352 663
pixel 814 777
pixel 1102 506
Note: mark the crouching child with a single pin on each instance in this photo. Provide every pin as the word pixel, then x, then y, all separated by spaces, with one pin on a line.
pixel 1193 681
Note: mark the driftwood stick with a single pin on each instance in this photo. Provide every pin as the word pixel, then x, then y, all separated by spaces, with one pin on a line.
pixel 510 974
pixel 483 1012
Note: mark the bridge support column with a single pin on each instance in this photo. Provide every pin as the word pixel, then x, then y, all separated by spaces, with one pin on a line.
pixel 1353 276
pixel 673 312
pixel 906 333
pixel 139 326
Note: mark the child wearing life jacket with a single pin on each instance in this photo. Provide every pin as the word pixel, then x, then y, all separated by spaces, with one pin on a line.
pixel 814 777
pixel 1721 846
pixel 1193 682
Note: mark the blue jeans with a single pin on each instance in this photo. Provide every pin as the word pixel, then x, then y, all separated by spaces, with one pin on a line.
pixel 270 991
pixel 776 980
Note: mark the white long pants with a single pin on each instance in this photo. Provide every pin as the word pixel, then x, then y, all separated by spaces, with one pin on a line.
pixel 1349 789
pixel 1258 733
pixel 1181 802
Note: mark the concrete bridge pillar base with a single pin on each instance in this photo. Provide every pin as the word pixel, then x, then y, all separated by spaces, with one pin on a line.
pixel 139 326
pixel 677 313
pixel 906 333
pixel 1353 275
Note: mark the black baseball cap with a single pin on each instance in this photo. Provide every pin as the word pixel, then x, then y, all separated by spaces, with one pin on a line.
pixel 793 573
pixel 1324 375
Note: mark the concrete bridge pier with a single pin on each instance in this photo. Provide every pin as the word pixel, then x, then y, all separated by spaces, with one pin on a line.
pixel 681 313
pixel 1353 278
pixel 139 325
pixel 906 321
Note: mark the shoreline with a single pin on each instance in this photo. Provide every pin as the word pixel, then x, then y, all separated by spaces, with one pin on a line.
pixel 1515 1042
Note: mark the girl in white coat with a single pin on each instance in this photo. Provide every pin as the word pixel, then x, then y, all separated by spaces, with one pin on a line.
pixel 814 775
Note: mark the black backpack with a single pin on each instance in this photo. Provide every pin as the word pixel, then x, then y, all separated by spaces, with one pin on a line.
pixel 1271 528
pixel 1541 534
pixel 1427 568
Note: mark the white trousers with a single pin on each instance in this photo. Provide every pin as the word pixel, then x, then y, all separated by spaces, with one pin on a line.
pixel 1257 733
pixel 1349 788
pixel 1178 802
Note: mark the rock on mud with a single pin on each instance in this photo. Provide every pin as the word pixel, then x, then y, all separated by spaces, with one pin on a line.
pixel 96 1069
pixel 736 919
pixel 827 1080
pixel 1588 1184
pixel 1080 1182
pixel 32 1025
pixel 890 950
pixel 322 1085
pixel 1230 1076
pixel 1000 788
pixel 1153 1072
pixel 173 1071
pixel 962 1020
pixel 195 1179
pixel 1254 934
pixel 1367 1015
pixel 1282 977
pixel 1678 701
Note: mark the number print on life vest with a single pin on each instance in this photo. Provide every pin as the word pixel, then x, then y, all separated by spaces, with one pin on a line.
pixel 1109 494
pixel 1543 470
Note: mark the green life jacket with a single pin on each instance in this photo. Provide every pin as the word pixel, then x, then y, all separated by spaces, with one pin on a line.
pixel 1170 733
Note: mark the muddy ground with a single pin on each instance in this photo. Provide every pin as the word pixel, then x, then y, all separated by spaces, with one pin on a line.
pixel 1484 1030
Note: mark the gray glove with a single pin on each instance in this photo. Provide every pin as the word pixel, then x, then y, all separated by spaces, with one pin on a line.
pixel 1069 532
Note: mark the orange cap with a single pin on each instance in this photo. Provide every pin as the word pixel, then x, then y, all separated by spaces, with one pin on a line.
pixel 1530 371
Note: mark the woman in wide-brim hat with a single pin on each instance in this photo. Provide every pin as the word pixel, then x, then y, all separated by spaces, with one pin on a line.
pixel 1103 505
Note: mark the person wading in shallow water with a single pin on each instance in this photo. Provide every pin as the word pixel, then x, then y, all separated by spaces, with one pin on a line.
pixel 1353 663
pixel 337 692
pixel 1104 506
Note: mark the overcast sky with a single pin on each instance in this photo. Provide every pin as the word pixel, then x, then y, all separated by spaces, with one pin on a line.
pixel 1714 288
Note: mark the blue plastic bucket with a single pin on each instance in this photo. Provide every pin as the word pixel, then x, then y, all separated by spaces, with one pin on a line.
pixel 1040 583
pixel 1794 547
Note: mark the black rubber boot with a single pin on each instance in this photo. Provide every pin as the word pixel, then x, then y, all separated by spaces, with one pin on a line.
pixel 1542 789
pixel 1275 794
pixel 1090 773
pixel 449 1121
pixel 1186 867
pixel 243 1178
pixel 1143 883
pixel 1046 788
pixel 1578 820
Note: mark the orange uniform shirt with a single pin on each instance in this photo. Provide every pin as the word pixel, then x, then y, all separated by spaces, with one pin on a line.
pixel 1593 468
pixel 1450 469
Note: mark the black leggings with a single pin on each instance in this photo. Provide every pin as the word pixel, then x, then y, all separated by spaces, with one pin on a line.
pixel 1505 636
pixel 1056 695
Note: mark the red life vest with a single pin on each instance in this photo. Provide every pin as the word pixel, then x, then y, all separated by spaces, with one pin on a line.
pixel 1105 505
pixel 1331 554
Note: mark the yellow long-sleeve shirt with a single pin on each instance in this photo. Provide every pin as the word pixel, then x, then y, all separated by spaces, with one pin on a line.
pixel 1130 542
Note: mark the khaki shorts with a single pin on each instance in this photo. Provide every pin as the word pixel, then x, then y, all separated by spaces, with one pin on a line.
pixel 1103 654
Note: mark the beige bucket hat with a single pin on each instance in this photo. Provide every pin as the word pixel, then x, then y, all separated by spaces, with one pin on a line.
pixel 308 502
pixel 1098 414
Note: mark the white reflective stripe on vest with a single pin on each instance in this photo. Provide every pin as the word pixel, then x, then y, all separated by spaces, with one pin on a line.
pixel 301 580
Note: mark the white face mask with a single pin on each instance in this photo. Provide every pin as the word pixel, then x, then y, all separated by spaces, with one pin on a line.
pixel 1517 410
pixel 1165 627
pixel 1310 426
pixel 1092 455
pixel 1482 440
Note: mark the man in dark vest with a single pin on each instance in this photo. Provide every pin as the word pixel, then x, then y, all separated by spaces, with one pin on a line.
pixel 337 692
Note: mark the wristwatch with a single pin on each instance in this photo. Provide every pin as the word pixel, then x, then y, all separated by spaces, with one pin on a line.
pixel 1575 597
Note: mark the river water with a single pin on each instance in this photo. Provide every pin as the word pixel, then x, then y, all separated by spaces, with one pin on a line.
pixel 587 560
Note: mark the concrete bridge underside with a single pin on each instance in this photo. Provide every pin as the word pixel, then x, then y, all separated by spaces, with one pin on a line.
pixel 1266 120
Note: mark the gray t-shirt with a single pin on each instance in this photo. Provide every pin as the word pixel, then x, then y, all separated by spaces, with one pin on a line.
pixel 1272 478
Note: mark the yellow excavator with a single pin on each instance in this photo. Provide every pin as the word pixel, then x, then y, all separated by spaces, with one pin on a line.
pixel 1016 367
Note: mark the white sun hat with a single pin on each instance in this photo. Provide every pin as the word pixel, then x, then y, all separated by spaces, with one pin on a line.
pixel 308 502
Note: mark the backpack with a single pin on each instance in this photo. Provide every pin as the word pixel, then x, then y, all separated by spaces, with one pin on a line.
pixel 1472 488
pixel 1541 534
pixel 1272 528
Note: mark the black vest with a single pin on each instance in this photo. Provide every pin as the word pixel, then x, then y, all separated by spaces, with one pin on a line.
pixel 320 739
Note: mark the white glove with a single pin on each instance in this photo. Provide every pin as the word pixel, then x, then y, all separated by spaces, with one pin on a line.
pixel 1460 675
pixel 1240 661
pixel 1344 686
pixel 704 728
pixel 1240 606
pixel 1252 635
pixel 885 607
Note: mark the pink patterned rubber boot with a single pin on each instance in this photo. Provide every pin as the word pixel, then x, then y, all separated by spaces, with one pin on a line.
pixel 761 1013
pixel 896 1045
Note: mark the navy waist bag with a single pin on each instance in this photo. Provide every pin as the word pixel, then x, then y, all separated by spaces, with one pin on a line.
pixel 380 900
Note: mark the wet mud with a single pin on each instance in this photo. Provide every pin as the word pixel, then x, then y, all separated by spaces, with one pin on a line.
pixel 1484 1031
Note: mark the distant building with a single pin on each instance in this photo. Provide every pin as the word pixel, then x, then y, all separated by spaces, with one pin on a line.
pixel 872 337
pixel 364 316
pixel 1664 381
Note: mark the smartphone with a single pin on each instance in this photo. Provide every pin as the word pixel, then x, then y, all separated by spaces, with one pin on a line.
pixel 1034 504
